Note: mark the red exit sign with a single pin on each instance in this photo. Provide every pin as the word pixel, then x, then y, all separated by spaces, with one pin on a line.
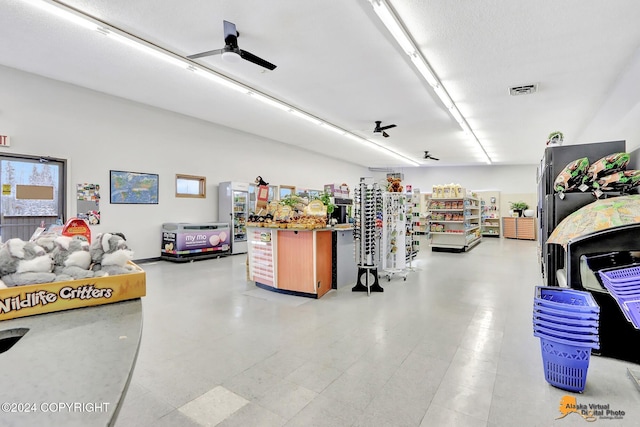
pixel 4 141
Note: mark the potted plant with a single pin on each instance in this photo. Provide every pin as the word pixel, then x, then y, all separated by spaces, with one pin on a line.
pixel 293 201
pixel 326 199
pixel 519 207
pixel 555 138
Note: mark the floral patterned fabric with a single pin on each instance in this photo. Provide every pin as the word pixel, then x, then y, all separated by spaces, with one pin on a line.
pixel 599 215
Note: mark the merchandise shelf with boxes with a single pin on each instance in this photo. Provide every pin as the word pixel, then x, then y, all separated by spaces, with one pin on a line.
pixel 454 222
pixel 491 223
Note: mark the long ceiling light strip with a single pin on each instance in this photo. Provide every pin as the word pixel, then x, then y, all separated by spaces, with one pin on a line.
pixel 88 22
pixel 395 26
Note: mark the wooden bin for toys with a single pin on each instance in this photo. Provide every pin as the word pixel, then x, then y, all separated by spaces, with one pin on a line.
pixel 21 301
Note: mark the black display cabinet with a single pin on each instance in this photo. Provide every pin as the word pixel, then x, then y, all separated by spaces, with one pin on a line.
pixel 552 208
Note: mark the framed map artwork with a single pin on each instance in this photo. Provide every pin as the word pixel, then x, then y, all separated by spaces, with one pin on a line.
pixel 133 188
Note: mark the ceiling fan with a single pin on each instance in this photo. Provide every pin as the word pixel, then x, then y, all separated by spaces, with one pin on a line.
pixel 429 156
pixel 231 51
pixel 381 129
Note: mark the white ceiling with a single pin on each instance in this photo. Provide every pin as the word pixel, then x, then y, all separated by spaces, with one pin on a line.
pixel 337 61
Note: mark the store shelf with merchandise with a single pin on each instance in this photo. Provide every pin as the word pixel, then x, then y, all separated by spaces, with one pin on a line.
pixel 490 203
pixel 420 203
pixel 454 224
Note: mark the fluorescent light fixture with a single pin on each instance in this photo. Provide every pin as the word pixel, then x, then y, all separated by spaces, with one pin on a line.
pixel 465 128
pixel 305 116
pixel 86 21
pixel 333 128
pixel 392 153
pixel 424 69
pixel 444 96
pixel 396 27
pixel 210 75
pixel 270 101
pixel 377 147
pixel 393 25
pixel 456 115
pixel 147 49
pixel 64 13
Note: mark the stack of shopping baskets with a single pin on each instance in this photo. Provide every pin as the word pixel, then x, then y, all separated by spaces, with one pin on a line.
pixel 624 286
pixel 566 321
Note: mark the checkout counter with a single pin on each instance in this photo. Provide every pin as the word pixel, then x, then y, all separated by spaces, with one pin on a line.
pixel 83 357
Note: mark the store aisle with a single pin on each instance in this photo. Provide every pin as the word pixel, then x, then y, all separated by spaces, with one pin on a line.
pixel 451 346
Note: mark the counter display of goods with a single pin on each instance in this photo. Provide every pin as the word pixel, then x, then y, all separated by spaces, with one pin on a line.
pixel 313 216
pixel 297 262
pixel 68 274
pixel 454 223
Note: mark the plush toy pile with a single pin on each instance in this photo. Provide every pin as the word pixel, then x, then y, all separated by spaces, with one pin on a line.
pixel 61 258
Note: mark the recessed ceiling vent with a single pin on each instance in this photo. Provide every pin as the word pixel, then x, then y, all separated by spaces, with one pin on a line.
pixel 523 90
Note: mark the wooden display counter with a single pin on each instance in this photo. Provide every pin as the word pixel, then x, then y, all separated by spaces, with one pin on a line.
pixel 290 261
pixel 519 228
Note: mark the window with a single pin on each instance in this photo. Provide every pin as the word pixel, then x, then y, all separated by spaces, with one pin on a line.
pixel 286 190
pixel 191 186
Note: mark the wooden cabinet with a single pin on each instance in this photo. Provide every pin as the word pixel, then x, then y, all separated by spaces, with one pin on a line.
pixel 509 227
pixel 519 228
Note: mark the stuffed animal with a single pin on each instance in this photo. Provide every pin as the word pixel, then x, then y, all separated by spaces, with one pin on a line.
pixel 393 185
pixel 25 263
pixel 261 181
pixel 110 255
pixel 47 241
pixel 72 259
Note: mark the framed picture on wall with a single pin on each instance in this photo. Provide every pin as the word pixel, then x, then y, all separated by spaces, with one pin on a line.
pixel 133 188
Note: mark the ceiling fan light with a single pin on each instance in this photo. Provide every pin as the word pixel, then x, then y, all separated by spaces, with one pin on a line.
pixel 230 56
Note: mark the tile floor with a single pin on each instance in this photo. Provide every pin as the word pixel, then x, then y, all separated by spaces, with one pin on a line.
pixel 451 346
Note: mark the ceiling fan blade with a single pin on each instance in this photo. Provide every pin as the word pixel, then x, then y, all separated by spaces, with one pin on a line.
pixel 433 158
pixel 387 127
pixel 230 34
pixel 256 60
pixel 207 53
pixel 386 135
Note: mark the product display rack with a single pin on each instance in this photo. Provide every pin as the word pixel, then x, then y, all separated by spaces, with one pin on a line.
pixel 368 215
pixel 490 216
pixel 395 222
pixel 454 224
pixel 412 244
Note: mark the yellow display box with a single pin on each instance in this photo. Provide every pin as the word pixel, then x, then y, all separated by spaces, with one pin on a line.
pixel 21 301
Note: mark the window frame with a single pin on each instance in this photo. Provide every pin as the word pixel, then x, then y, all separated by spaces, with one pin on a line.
pixel 202 186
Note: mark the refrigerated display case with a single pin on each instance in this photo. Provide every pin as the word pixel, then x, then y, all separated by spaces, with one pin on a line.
pixel 233 207
pixel 183 241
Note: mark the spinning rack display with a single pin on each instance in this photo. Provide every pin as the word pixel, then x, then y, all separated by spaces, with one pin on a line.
pixel 366 233
pixel 394 249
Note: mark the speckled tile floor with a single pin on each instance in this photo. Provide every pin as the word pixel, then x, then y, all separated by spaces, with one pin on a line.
pixel 451 346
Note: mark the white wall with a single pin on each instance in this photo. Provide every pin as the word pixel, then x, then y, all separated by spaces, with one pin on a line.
pixel 97 132
pixel 618 118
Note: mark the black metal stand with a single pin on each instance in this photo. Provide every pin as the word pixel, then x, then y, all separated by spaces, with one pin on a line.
pixel 367 280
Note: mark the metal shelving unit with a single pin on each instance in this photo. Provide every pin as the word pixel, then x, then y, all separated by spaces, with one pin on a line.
pixel 454 224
